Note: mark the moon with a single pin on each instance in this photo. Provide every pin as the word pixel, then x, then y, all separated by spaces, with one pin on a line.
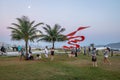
pixel 29 6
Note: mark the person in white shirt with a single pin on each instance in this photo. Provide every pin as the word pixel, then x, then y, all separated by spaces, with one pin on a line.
pixel 46 52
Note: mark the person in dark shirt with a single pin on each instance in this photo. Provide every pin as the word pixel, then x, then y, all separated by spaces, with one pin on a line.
pixel 94 58
pixel 3 50
pixel 52 54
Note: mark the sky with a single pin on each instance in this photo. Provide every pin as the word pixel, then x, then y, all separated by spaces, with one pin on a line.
pixel 103 17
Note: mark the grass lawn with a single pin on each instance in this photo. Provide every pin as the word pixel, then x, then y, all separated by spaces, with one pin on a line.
pixel 61 68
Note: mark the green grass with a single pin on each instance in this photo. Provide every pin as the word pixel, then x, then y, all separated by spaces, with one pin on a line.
pixel 61 68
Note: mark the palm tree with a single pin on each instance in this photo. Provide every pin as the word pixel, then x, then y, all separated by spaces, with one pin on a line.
pixel 24 30
pixel 53 34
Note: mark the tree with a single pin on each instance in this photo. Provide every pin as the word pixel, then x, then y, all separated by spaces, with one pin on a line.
pixel 24 30
pixel 53 34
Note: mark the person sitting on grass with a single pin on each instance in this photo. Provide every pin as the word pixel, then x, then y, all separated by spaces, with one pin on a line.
pixel 38 56
pixel 72 54
pixel 30 56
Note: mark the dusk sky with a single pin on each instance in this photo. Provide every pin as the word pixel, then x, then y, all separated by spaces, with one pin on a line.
pixel 103 17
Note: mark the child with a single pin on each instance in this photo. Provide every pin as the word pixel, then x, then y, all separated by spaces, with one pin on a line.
pixel 38 57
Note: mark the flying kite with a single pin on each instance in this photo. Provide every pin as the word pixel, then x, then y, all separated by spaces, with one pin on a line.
pixel 73 40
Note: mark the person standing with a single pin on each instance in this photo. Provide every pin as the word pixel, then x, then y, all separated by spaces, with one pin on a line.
pixel 89 51
pixel 22 53
pixel 3 50
pixel 94 58
pixel 76 52
pixel 52 54
pixel 84 50
pixel 106 54
pixel 19 49
pixel 30 51
pixel 46 52
pixel 111 52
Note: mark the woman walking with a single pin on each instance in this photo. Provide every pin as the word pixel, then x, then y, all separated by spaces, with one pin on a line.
pixel 106 54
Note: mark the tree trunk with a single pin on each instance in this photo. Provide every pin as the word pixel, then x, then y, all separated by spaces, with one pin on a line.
pixel 26 48
pixel 53 43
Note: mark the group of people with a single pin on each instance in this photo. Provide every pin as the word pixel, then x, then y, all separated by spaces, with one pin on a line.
pixel 93 52
pixel 74 53
pixel 21 51
pixel 94 57
pixel 29 56
pixel 46 52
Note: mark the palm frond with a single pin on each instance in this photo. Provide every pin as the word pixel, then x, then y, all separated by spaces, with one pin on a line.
pixel 38 24
pixel 61 30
